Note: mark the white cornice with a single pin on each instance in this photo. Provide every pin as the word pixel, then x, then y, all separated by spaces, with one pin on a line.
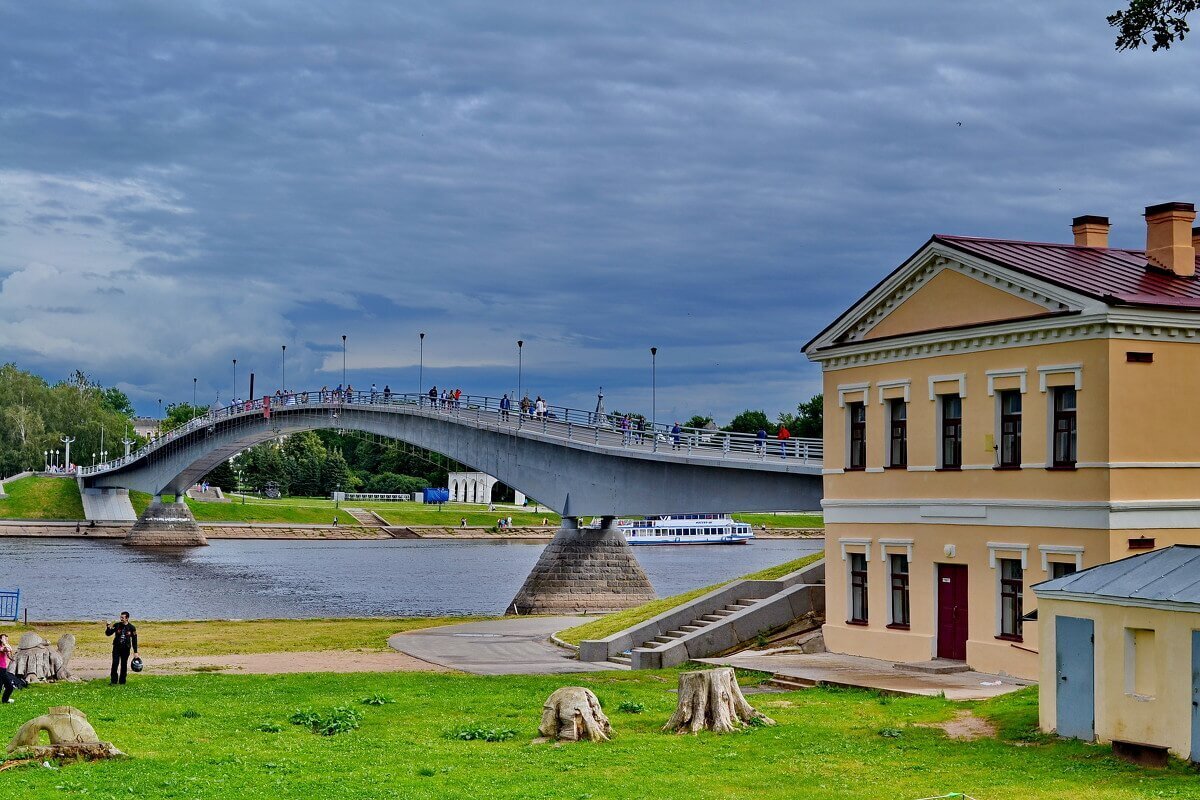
pixel 1019 513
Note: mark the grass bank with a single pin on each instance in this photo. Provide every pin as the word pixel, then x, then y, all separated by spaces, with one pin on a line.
pixel 42 498
pixel 258 510
pixel 782 520
pixel 620 620
pixel 216 638
pixel 220 736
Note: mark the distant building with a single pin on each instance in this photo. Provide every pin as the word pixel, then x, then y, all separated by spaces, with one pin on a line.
pixel 999 413
pixel 475 487
pixel 144 426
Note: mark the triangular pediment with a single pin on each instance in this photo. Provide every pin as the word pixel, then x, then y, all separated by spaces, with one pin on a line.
pixel 950 299
pixel 941 289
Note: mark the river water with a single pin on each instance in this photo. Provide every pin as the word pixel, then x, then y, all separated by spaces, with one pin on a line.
pixel 78 579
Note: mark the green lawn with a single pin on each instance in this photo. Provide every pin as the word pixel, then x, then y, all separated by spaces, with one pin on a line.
pixel 218 638
pixel 42 498
pixel 620 620
pixel 417 514
pixel 782 520
pixel 256 510
pixel 222 736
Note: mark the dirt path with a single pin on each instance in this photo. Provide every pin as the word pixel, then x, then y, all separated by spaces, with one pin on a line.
pixel 88 668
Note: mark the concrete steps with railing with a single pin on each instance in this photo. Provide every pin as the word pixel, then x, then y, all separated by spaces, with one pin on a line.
pixel 714 623
pixel 367 518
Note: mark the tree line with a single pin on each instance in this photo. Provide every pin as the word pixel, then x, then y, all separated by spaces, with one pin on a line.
pixel 35 415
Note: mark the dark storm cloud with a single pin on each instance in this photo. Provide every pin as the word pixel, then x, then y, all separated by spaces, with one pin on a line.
pixel 717 180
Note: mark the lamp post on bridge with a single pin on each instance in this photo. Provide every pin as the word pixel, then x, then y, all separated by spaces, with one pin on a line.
pixel 343 364
pixel 421 368
pixel 653 389
pixel 194 395
pixel 520 353
pixel 233 396
pixel 283 380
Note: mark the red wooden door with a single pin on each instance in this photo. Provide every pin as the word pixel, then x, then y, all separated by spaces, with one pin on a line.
pixel 952 611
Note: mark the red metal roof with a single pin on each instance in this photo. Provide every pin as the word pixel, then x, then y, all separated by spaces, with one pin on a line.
pixel 1118 277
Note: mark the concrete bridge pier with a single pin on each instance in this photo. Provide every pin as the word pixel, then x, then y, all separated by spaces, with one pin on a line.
pixel 584 570
pixel 166 525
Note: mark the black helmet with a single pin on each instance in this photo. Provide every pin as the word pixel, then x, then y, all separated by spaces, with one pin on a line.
pixel 136 664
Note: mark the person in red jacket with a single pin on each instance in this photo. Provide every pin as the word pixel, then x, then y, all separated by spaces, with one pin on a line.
pixel 784 435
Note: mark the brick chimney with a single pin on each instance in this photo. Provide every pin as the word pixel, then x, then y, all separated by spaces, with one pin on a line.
pixel 1090 231
pixel 1169 237
pixel 1196 239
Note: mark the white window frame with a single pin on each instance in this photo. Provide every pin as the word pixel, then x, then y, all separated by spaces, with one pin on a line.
pixel 1007 548
pixel 896 545
pixel 1061 550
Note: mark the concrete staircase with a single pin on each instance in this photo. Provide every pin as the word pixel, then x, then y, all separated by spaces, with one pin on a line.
pixel 700 623
pixel 213 495
pixel 714 623
pixel 367 518
pixel 107 505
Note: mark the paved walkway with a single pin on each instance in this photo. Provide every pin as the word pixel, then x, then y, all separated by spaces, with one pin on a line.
pixel 89 667
pixel 834 669
pixel 518 646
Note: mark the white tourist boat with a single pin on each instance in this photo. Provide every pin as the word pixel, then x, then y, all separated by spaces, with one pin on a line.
pixel 686 529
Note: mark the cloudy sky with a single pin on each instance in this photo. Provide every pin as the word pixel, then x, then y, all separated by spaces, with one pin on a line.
pixel 182 184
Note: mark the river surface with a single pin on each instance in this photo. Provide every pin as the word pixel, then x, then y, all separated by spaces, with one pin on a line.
pixel 78 579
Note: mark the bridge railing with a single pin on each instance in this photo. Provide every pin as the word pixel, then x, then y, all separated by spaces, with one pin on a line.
pixel 481 411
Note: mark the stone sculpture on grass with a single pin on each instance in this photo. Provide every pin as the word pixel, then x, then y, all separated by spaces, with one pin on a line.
pixel 712 700
pixel 36 660
pixel 71 736
pixel 573 714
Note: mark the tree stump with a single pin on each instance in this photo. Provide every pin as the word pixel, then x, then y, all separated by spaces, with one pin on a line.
pixel 71 736
pixel 573 713
pixel 712 700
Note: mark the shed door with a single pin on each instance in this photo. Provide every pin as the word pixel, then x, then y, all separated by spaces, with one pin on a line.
pixel 952 611
pixel 1074 668
pixel 1196 696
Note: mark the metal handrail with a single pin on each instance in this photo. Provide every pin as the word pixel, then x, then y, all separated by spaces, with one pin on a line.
pixel 485 412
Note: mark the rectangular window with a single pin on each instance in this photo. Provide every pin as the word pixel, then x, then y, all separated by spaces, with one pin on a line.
pixel 858 588
pixel 899 589
pixel 1064 426
pixel 1012 584
pixel 1010 428
pixel 858 435
pixel 1061 569
pixel 1141 662
pixel 951 449
pixel 898 433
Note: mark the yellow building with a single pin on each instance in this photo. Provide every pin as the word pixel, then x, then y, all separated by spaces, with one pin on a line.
pixel 998 413
pixel 1121 654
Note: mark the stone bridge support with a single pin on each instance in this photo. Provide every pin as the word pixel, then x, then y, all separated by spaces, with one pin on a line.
pixel 584 569
pixel 166 525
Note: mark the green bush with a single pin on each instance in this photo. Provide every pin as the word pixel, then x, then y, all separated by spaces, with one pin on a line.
pixel 631 707
pixel 477 732
pixel 376 700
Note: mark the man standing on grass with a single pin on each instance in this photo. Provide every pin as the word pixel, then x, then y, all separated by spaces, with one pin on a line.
pixel 124 639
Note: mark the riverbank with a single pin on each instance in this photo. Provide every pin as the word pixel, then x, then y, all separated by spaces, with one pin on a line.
pixel 298 532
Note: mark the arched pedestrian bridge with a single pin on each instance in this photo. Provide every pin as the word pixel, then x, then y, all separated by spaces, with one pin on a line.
pixel 576 462
pixel 579 463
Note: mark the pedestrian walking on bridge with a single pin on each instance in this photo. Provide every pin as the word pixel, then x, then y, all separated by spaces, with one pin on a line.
pixel 784 434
